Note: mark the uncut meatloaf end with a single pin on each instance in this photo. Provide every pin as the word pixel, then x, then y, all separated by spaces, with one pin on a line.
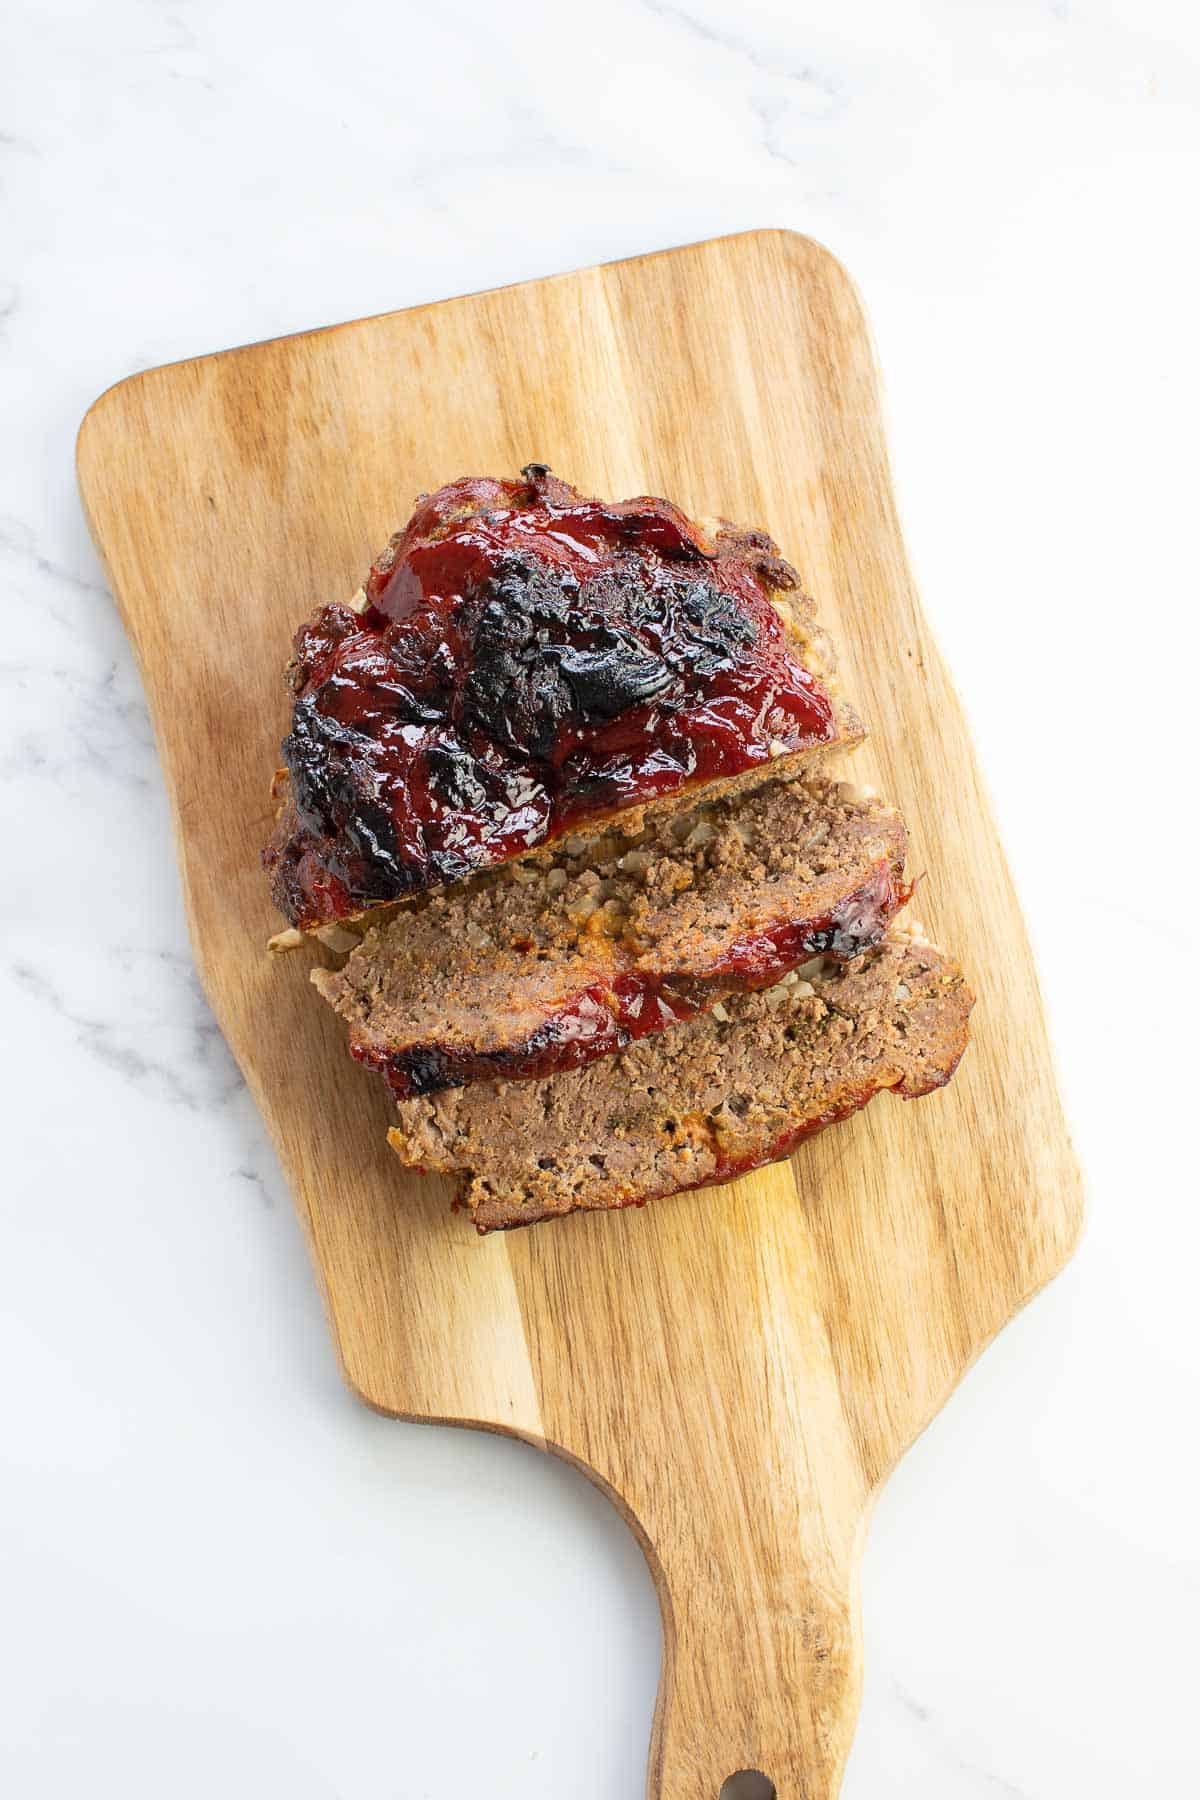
pixel 524 662
pixel 523 973
pixel 724 1093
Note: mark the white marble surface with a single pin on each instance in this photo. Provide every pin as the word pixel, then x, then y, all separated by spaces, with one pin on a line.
pixel 220 1575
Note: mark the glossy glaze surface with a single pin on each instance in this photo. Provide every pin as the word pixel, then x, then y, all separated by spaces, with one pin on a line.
pixel 525 659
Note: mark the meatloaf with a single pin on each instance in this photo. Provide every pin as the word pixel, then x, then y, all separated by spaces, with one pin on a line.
pixel 523 663
pixel 731 1089
pixel 529 970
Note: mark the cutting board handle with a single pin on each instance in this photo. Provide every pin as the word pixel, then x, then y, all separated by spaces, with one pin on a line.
pixel 741 1475
pixel 761 1672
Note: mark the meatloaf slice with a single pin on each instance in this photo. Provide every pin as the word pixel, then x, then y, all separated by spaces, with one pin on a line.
pixel 524 662
pixel 733 1088
pixel 525 972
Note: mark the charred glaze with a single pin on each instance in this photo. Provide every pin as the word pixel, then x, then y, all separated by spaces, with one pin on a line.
pixel 526 659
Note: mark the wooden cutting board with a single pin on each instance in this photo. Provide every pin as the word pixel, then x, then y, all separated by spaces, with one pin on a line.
pixel 738 1369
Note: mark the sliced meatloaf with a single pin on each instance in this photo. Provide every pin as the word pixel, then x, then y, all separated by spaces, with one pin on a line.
pixel 523 663
pixel 530 970
pixel 732 1089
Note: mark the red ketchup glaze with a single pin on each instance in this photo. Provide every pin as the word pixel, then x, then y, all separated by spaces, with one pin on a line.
pixel 526 659
pixel 605 1017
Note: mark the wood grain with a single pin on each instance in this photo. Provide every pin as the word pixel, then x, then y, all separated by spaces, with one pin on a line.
pixel 739 1369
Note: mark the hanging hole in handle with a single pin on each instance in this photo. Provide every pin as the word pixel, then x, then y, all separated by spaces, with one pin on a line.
pixel 747 1784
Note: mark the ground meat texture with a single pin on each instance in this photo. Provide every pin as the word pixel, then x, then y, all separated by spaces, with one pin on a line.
pixel 523 662
pixel 724 1093
pixel 529 971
